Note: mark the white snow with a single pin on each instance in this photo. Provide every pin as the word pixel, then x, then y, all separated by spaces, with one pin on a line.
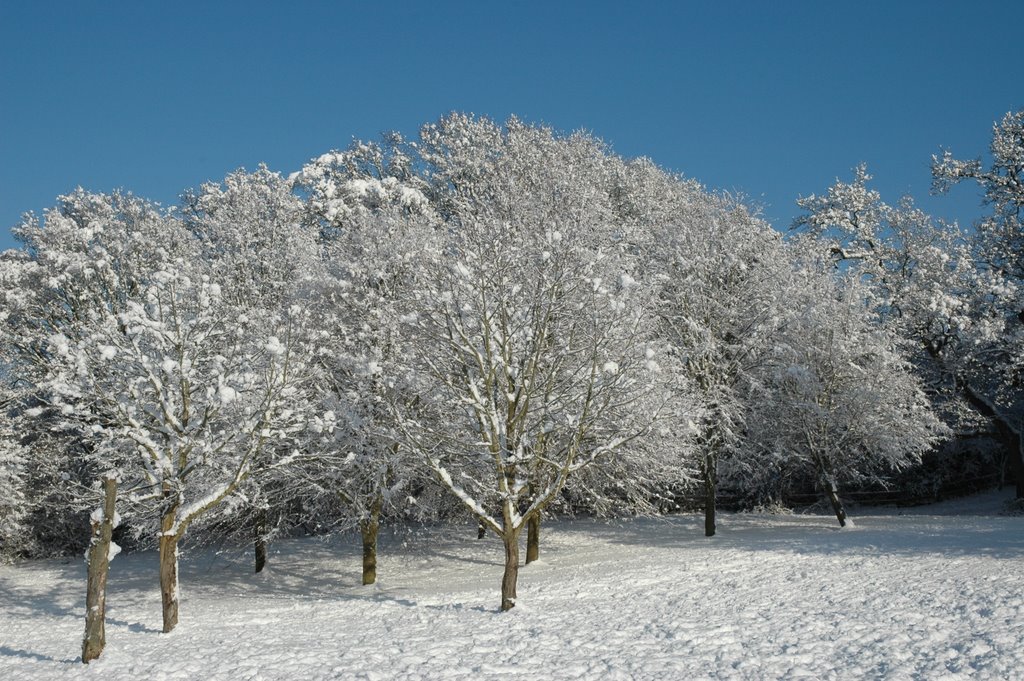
pixel 227 394
pixel 274 346
pixel 904 595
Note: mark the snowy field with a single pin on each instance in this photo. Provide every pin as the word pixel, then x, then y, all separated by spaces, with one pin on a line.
pixel 933 593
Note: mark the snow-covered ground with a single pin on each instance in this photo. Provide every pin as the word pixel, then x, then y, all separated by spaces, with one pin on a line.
pixel 926 593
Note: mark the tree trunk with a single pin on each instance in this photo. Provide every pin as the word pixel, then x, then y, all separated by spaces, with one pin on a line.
pixel 710 484
pixel 833 496
pixel 369 527
pixel 169 570
pixel 533 538
pixel 95 637
pixel 511 576
pixel 260 540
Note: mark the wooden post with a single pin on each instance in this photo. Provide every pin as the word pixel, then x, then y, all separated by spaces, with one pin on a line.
pixel 99 556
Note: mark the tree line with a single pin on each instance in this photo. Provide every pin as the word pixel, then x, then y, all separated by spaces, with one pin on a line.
pixel 492 321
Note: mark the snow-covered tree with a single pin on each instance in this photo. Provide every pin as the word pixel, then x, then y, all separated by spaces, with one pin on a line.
pixel 1001 244
pixel 920 270
pixel 721 272
pixel 376 226
pixel 998 356
pixel 142 356
pixel 529 332
pixel 14 493
pixel 264 258
pixel 48 287
pixel 252 232
pixel 841 401
pixel 924 285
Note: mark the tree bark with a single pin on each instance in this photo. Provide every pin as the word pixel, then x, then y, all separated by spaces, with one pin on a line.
pixel 369 528
pixel 511 576
pixel 710 483
pixel 533 538
pixel 260 540
pixel 833 496
pixel 95 637
pixel 169 570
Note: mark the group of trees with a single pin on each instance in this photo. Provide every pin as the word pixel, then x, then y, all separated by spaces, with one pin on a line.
pixel 489 321
pixel 952 295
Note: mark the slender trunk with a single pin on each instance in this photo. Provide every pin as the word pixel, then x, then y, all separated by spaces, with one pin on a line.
pixel 369 527
pixel 533 538
pixel 508 581
pixel 95 637
pixel 833 496
pixel 710 483
pixel 260 540
pixel 169 569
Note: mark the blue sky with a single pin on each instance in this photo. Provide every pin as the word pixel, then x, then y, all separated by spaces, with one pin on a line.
pixel 772 100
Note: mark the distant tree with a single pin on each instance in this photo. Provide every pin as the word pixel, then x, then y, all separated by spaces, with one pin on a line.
pixel 15 535
pixel 721 307
pixel 376 226
pixel 258 250
pixel 842 401
pixel 924 285
pixel 999 248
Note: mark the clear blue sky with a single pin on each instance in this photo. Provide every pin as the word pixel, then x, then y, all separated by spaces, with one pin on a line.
pixel 771 99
